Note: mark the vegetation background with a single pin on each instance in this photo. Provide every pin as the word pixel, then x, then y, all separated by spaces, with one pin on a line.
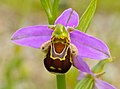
pixel 22 67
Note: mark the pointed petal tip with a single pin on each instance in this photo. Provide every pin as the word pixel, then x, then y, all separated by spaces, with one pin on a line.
pixel 15 37
pixel 11 38
pixel 69 9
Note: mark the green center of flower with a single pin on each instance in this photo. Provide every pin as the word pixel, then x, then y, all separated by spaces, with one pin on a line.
pixel 60 33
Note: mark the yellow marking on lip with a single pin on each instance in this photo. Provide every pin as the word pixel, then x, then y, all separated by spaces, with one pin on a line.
pixel 59 69
pixel 57 57
pixel 53 68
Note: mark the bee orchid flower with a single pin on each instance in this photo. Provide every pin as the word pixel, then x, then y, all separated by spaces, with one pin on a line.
pixel 63 44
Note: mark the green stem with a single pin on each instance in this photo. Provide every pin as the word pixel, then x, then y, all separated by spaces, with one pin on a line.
pixel 61 82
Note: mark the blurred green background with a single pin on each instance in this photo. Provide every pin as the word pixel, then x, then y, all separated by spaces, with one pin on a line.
pixel 22 67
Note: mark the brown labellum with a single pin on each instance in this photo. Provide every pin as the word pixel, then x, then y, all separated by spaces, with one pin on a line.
pixel 57 65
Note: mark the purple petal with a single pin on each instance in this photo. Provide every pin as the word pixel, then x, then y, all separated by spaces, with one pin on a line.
pixel 88 46
pixel 103 85
pixel 33 36
pixel 68 18
pixel 79 63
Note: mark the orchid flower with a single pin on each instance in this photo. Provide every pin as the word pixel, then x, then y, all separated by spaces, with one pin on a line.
pixel 63 44
pixel 91 80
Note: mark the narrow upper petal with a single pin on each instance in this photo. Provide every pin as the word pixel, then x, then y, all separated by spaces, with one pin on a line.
pixel 88 46
pixel 68 18
pixel 99 84
pixel 79 63
pixel 33 36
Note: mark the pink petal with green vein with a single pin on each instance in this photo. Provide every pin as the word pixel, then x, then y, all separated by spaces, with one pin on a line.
pixel 68 18
pixel 88 46
pixel 32 36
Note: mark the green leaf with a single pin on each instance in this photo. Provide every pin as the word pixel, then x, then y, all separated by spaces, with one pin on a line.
pixel 55 8
pixel 99 67
pixel 86 83
pixel 47 7
pixel 48 2
pixel 51 10
pixel 87 16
